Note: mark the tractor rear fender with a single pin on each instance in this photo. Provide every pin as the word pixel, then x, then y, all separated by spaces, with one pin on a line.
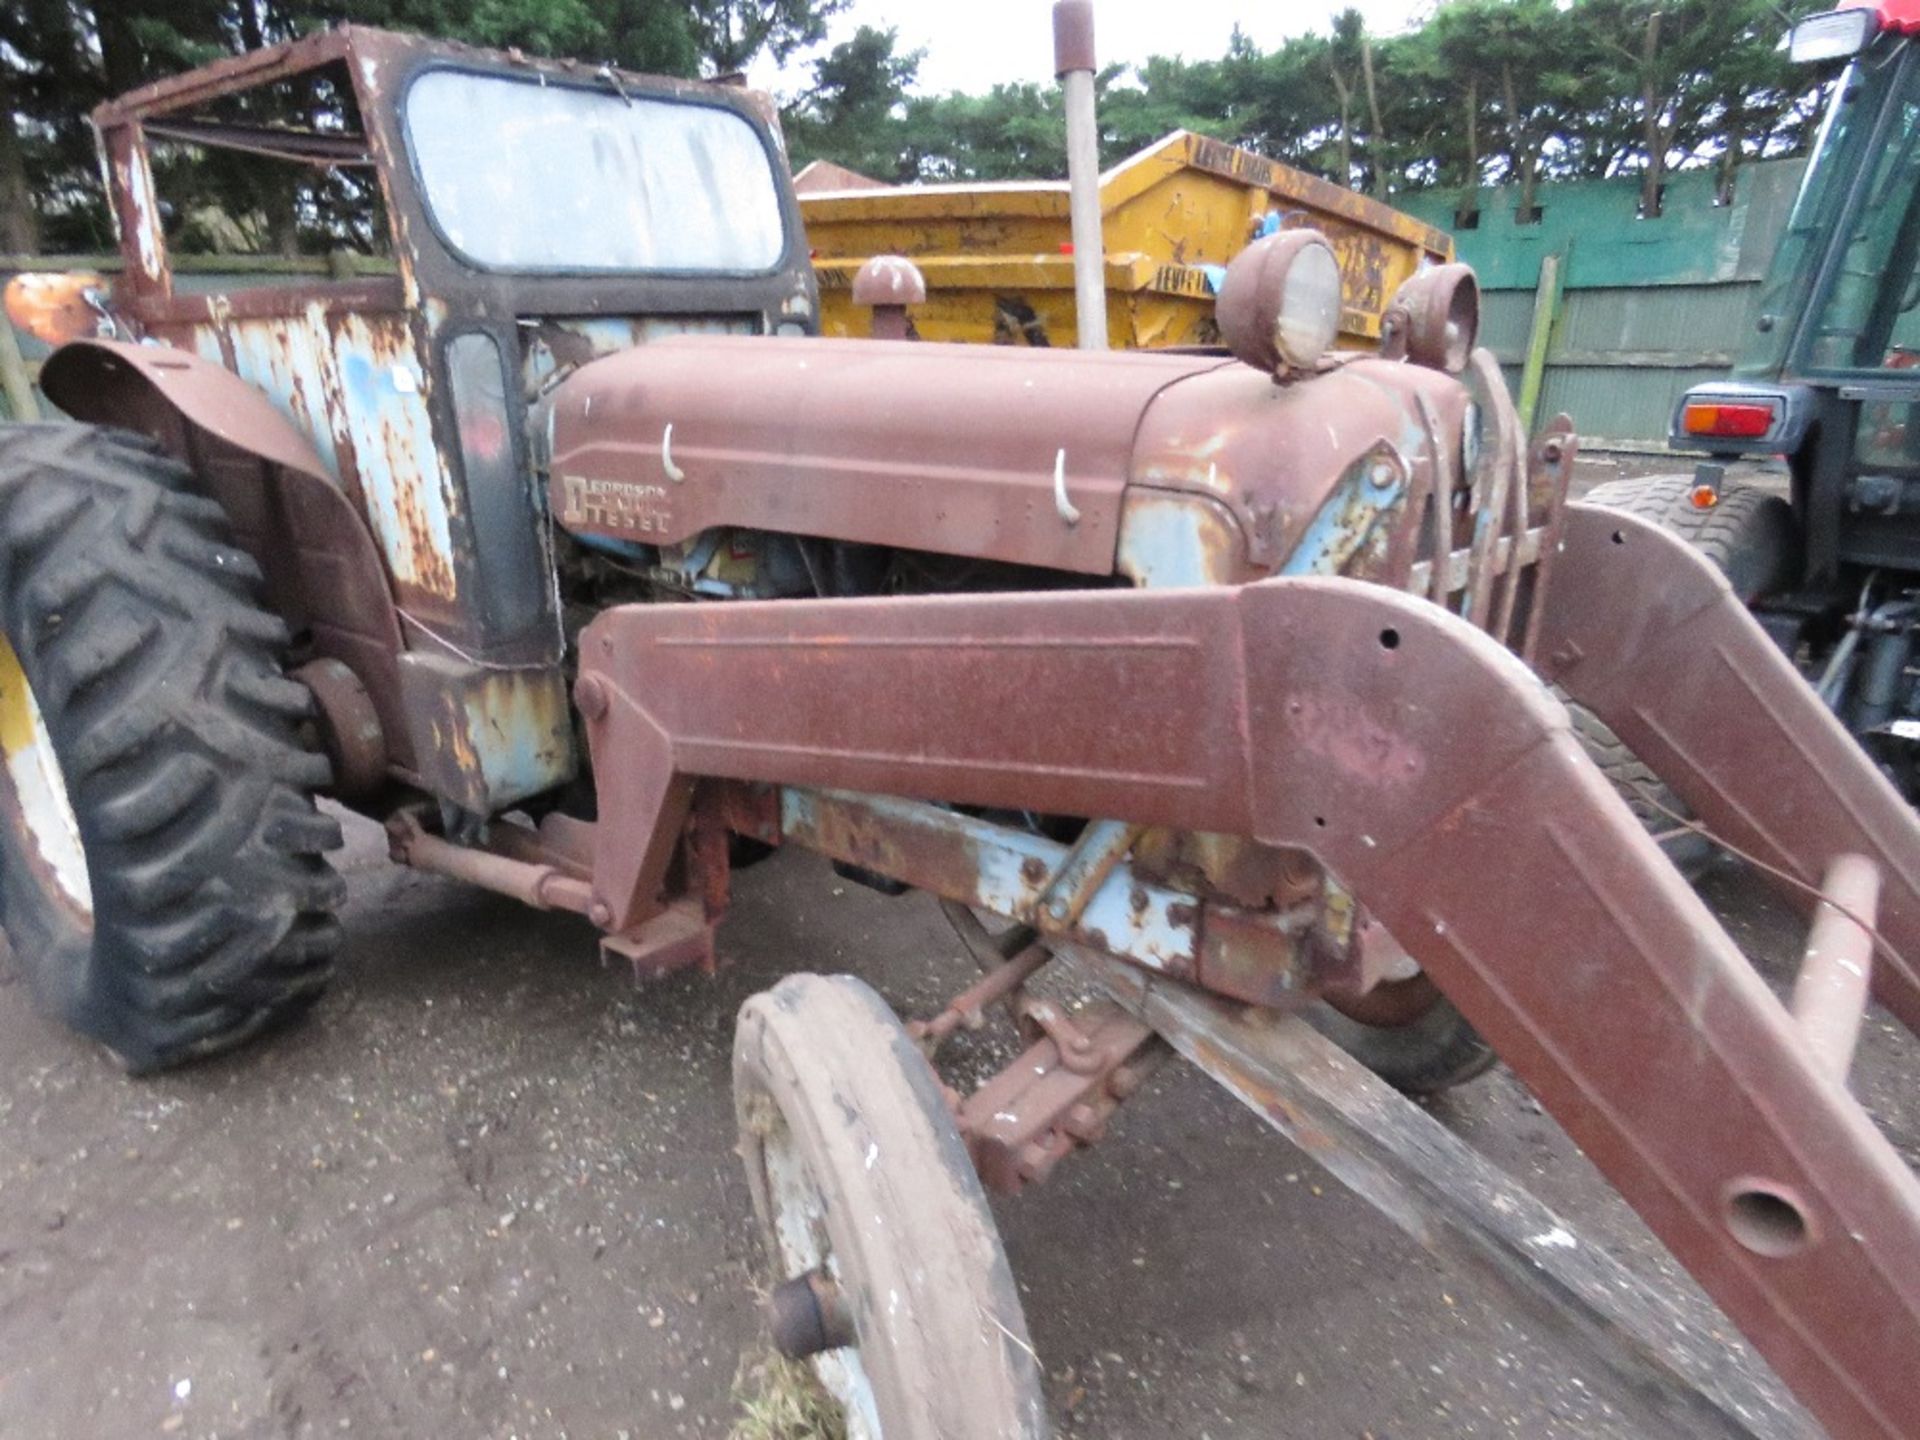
pixel 1430 770
pixel 323 570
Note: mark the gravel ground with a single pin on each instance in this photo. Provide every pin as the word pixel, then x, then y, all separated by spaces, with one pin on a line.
pixel 489 1191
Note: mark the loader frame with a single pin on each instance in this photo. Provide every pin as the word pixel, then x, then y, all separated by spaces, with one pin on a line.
pixel 1325 715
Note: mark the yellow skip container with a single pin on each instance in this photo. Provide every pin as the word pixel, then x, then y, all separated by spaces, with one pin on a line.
pixel 998 259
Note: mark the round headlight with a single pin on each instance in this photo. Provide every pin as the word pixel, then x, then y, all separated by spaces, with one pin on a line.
pixel 1279 306
pixel 1434 319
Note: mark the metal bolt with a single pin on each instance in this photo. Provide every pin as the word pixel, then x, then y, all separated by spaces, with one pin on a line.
pixel 1084 1123
pixel 1381 473
pixel 590 694
pixel 807 1315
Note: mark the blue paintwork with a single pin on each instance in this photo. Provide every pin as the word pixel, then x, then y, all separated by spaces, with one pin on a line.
pixel 402 472
pixel 1157 934
pixel 1170 539
pixel 517 725
pixel 1344 525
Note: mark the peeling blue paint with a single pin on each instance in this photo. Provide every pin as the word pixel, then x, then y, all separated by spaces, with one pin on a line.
pixel 1347 521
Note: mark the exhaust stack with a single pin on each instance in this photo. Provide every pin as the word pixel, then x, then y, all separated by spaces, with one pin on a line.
pixel 1073 66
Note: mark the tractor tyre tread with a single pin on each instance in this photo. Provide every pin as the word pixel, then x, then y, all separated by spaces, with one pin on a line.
pixel 159 676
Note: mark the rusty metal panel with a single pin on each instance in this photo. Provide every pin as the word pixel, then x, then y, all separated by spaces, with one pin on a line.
pixel 1265 957
pixel 1313 471
pixel 857 440
pixel 1746 742
pixel 356 384
pixel 485 737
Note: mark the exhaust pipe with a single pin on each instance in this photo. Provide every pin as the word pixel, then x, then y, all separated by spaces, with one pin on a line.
pixel 1073 67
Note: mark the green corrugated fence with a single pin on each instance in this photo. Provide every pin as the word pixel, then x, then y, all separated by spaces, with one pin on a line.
pixel 1648 307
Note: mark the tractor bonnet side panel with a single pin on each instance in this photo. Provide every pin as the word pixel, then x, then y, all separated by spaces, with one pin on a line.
pixel 1173 469
pixel 1013 455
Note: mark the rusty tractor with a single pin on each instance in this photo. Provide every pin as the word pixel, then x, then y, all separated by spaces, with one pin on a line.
pixel 539 527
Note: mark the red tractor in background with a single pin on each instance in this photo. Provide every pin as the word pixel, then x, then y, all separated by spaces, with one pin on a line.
pixel 544 532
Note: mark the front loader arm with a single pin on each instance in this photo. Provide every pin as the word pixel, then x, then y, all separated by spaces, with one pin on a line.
pixel 1429 770
pixel 1645 631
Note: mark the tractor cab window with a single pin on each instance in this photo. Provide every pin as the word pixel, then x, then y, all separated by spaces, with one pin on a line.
pixel 529 176
pixel 269 184
pixel 1868 316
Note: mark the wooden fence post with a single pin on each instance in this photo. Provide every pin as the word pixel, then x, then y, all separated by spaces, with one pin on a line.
pixel 1546 310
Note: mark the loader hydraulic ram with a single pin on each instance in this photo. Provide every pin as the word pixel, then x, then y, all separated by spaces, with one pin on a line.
pixel 1217 678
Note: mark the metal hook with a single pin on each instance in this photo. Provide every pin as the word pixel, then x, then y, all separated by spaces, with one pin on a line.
pixel 1066 507
pixel 674 472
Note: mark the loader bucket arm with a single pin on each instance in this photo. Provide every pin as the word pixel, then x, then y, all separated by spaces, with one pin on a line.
pixel 1432 772
pixel 1645 631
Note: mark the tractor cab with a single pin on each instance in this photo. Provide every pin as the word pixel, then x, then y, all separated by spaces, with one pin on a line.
pixel 402 243
pixel 353 267
pixel 1830 377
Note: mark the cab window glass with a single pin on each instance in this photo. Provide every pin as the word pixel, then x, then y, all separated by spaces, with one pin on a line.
pixel 1869 318
pixel 520 175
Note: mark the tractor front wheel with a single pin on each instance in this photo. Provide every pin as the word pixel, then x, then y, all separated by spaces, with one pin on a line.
pixel 162 886
pixel 888 1274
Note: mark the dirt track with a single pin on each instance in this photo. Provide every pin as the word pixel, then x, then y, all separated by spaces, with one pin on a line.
pixel 489 1191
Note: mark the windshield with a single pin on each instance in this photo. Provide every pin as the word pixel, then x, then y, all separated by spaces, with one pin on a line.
pixel 522 175
pixel 1852 244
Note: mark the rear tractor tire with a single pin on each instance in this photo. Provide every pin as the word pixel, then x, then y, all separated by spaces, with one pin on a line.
pixel 162 886
pixel 1749 535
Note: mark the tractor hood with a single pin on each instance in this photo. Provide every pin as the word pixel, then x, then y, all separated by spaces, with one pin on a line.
pixel 1017 455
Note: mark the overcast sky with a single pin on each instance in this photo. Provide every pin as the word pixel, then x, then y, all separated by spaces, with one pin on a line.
pixel 972 44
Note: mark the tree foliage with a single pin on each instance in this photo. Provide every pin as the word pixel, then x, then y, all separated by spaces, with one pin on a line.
pixel 1483 92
